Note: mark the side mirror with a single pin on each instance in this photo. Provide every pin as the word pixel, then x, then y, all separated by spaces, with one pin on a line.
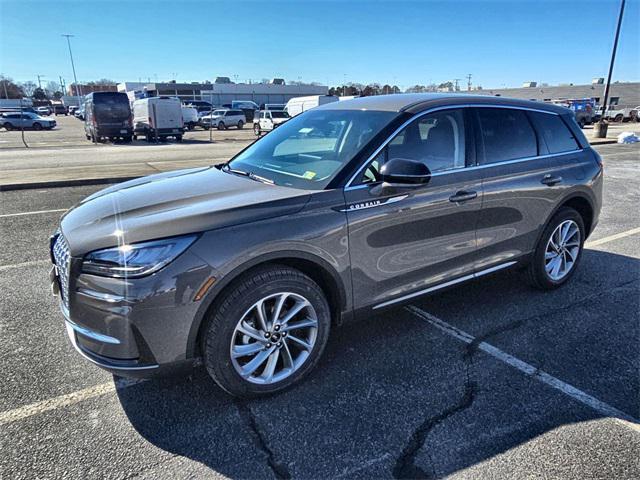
pixel 402 172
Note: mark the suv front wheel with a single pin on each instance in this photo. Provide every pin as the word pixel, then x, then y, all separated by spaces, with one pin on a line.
pixel 558 251
pixel 267 331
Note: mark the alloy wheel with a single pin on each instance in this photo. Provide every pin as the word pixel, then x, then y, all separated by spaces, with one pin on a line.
pixel 562 250
pixel 274 338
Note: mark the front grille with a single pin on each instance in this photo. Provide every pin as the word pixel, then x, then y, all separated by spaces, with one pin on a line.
pixel 62 258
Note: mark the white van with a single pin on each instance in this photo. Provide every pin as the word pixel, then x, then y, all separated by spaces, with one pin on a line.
pixel 189 117
pixel 298 105
pixel 159 117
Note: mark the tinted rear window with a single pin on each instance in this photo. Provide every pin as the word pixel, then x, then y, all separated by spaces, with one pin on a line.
pixel 507 134
pixel 554 132
pixel 111 106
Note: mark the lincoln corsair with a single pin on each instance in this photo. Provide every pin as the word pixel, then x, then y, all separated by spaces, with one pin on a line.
pixel 347 209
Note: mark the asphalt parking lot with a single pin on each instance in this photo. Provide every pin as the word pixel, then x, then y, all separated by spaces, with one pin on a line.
pixel 488 380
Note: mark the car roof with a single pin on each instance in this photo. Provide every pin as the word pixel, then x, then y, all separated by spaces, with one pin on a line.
pixel 417 102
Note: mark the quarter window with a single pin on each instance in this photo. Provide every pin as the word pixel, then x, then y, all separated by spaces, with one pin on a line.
pixel 554 132
pixel 506 134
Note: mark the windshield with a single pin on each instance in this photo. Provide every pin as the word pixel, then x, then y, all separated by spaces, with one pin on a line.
pixel 279 115
pixel 111 107
pixel 308 150
pixel 218 112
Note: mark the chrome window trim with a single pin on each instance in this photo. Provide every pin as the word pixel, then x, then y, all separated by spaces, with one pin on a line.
pixel 349 185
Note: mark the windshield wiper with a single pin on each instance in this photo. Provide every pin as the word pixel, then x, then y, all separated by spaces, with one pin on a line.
pixel 251 175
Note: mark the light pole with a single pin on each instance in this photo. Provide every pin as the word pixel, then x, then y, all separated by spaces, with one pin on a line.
pixel 4 84
pixel 600 128
pixel 73 67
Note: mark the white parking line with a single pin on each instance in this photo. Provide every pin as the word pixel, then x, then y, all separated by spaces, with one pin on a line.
pixel 36 212
pixel 72 398
pixel 569 390
pixel 611 238
pixel 23 264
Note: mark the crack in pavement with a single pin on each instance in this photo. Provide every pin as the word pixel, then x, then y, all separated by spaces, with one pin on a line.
pixel 472 347
pixel 280 470
pixel 405 467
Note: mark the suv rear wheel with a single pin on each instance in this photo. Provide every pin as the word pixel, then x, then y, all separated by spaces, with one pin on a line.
pixel 267 332
pixel 558 251
pixel 240 124
pixel 221 126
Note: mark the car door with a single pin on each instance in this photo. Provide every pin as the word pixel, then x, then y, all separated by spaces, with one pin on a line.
pixel 412 240
pixel 526 171
pixel 264 121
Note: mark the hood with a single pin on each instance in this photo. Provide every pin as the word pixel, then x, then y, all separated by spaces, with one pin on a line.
pixel 173 203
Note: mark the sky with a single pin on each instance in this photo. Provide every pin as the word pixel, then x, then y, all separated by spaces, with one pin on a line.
pixel 501 43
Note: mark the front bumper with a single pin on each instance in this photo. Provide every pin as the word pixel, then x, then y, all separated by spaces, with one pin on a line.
pixel 133 327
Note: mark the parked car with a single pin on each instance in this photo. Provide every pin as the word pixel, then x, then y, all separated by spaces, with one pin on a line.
pixel 43 111
pixel 72 109
pixel 158 117
pixel 617 113
pixel 59 109
pixel 345 210
pixel 582 108
pixel 267 120
pixel 297 105
pixel 79 113
pixel 189 117
pixel 635 114
pixel 28 120
pixel 223 118
pixel 107 115
pixel 248 107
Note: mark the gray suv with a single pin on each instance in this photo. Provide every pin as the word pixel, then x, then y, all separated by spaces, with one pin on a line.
pixel 349 208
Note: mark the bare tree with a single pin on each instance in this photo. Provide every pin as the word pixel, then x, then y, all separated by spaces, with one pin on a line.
pixel 28 87
pixel 9 89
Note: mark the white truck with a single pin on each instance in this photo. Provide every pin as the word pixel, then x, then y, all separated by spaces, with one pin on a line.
pixel 267 120
pixel 158 118
pixel 297 105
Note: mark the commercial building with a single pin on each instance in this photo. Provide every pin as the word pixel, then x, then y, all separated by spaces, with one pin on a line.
pixel 622 94
pixel 222 93
pixel 85 89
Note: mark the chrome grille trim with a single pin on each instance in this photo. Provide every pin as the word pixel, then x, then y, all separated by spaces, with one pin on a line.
pixel 62 258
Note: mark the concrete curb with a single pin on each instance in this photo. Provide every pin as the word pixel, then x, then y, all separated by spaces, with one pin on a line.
pixel 64 183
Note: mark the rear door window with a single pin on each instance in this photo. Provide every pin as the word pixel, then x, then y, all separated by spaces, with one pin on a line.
pixel 506 135
pixel 555 134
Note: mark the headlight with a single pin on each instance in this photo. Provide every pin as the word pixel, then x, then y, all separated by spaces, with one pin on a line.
pixel 136 259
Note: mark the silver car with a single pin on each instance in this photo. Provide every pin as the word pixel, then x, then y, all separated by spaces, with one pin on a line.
pixel 344 210
pixel 27 120
pixel 223 118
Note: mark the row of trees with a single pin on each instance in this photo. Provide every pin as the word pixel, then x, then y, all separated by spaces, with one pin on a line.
pixel 29 89
pixel 352 89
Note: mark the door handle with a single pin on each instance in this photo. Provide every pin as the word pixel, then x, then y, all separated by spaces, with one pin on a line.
pixel 551 180
pixel 463 196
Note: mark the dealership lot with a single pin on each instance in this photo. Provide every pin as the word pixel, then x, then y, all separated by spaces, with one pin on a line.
pixel 491 379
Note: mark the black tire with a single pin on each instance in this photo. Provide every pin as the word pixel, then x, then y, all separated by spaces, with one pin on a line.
pixel 94 139
pixel 618 118
pixel 581 123
pixel 240 125
pixel 222 126
pixel 229 309
pixel 37 126
pixel 537 275
pixel 128 139
pixel 178 138
pixel 8 127
pixel 256 129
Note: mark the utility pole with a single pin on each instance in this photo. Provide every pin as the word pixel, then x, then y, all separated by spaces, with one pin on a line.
pixel 73 67
pixel 600 129
pixel 4 84
pixel 468 82
pixel 456 87
pixel 62 85
pixel 39 82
